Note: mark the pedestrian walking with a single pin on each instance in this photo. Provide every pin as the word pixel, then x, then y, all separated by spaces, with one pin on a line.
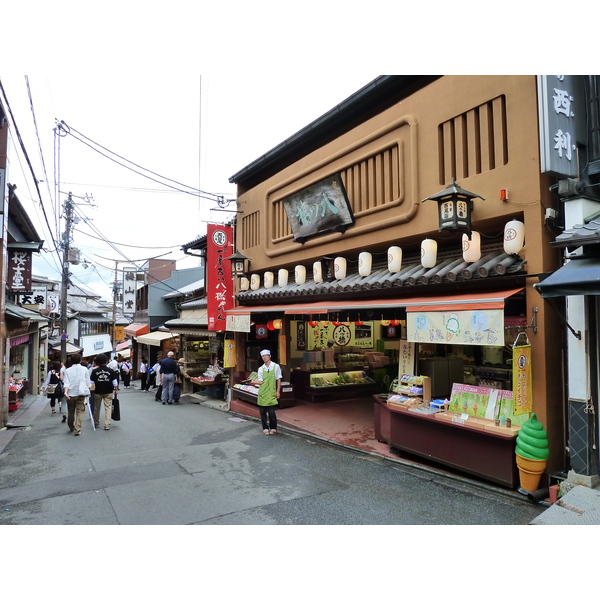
pixel 77 389
pixel 144 374
pixel 113 364
pixel 269 389
pixel 105 385
pixel 53 387
pixel 168 372
pixel 126 373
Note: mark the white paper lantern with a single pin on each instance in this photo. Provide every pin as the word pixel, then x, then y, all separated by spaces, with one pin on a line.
pixel 244 284
pixel 318 272
pixel 428 253
pixel 471 247
pixel 282 277
pixel 254 281
pixel 514 237
pixel 300 274
pixel 269 277
pixel 339 267
pixel 394 259
pixel 364 263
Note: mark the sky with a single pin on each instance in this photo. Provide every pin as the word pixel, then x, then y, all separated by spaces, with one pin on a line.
pixel 192 92
pixel 92 132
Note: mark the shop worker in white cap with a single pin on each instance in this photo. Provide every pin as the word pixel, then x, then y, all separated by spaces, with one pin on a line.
pixel 269 382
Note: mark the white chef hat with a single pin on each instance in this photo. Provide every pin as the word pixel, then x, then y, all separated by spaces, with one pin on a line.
pixel 263 352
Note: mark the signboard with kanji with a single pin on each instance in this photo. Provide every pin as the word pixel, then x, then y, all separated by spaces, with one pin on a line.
pixel 318 208
pixel 219 281
pixel 19 271
pixel 129 290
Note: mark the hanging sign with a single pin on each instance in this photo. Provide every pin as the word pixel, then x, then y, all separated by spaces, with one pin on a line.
pixel 472 327
pixel 229 352
pixel 238 323
pixel 37 296
pixel 129 290
pixel 219 281
pixel 282 348
pixel 19 271
pixel 523 402
pixel 406 358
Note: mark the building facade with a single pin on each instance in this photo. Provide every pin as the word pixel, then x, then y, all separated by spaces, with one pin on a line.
pixel 395 143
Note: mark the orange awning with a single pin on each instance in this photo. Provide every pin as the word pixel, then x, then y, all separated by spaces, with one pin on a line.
pixel 473 301
pixel 136 329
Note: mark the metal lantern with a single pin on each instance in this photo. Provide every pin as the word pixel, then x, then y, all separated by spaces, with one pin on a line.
pixel 238 264
pixel 454 208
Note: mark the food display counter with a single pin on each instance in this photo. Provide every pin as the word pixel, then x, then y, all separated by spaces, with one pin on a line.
pixel 249 393
pixel 477 446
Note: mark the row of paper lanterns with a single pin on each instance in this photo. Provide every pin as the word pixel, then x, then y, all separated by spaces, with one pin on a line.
pixel 514 236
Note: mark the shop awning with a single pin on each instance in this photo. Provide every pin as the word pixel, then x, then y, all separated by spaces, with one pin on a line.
pixel 136 329
pixel 193 326
pixel 123 345
pixel 125 353
pixel 96 344
pixel 578 277
pixel 71 349
pixel 153 339
pixel 473 301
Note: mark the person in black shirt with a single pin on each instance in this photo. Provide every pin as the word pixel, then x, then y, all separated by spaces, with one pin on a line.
pixel 168 370
pixel 106 383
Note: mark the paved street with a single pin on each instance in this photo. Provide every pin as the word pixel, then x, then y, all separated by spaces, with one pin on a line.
pixel 193 464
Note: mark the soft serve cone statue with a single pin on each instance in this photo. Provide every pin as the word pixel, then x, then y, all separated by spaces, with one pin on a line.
pixel 532 452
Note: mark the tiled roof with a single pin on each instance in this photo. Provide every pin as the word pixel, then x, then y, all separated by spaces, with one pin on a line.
pixel 579 235
pixel 450 270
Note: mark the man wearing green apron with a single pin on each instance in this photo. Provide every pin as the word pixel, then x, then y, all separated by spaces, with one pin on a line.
pixel 269 382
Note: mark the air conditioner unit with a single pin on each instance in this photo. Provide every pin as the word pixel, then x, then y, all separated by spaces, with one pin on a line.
pixel 74 256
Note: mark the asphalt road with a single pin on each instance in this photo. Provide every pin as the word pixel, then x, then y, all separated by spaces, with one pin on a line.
pixel 192 464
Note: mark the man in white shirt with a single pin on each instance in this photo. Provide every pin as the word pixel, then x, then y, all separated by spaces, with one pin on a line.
pixel 114 365
pixel 77 388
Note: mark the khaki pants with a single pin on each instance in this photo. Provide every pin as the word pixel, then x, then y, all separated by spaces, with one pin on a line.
pixel 100 399
pixel 76 406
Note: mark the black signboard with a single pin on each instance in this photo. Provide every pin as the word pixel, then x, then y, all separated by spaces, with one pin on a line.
pixel 318 208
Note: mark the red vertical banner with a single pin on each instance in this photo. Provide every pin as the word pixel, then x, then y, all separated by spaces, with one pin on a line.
pixel 219 281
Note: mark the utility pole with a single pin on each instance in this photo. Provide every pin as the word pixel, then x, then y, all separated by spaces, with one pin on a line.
pixel 65 277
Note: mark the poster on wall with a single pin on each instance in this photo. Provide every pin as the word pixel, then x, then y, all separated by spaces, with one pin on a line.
pixel 342 334
pixel 406 358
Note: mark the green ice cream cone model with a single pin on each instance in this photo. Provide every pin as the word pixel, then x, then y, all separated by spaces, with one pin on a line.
pixel 532 452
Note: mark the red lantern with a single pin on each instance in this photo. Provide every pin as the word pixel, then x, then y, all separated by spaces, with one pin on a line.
pixel 359 323
pixel 313 323
pixel 270 325
pixel 395 322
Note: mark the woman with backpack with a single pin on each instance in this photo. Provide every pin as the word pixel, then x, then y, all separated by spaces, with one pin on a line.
pixel 53 387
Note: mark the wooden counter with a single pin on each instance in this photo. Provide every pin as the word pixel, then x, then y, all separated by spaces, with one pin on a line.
pixel 474 449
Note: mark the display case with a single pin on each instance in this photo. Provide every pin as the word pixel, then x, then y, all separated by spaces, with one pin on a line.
pixel 410 392
pixel 249 393
pixel 332 385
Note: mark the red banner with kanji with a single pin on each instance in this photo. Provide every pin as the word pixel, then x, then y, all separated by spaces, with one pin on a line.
pixel 219 281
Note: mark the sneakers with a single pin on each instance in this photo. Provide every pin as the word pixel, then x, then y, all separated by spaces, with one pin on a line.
pixel 164 402
pixel 77 433
pixel 106 428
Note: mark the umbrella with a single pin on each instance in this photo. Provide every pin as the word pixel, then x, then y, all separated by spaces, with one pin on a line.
pixel 91 415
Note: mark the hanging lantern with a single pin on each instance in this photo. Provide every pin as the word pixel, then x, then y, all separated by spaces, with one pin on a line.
pixel 270 325
pixel 269 279
pixel 395 322
pixel 454 207
pixel 471 247
pixel 428 253
pixel 514 237
pixel 324 323
pixel 282 277
pixel 300 274
pixel 364 264
pixel 358 322
pixel 244 284
pixel 339 267
pixel 254 281
pixel 385 322
pixel 277 324
pixel 318 272
pixel 394 259
pixel 312 323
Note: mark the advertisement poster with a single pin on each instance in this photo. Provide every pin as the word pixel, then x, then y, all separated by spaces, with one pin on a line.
pixel 229 352
pixel 523 402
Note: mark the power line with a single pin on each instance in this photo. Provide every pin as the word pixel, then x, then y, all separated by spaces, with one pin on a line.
pixel 191 190
pixel 128 245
